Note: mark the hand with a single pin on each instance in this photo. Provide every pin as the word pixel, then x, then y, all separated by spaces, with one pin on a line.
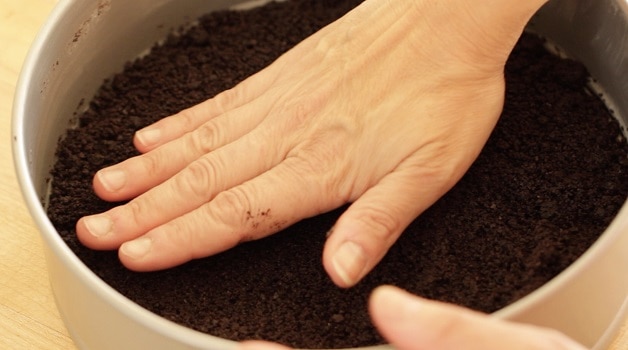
pixel 385 108
pixel 412 323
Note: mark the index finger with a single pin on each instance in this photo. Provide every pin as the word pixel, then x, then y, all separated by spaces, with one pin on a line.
pixel 175 126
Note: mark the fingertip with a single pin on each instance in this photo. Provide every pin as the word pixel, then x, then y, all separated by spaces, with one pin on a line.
pixel 108 183
pixel 399 316
pixel 83 234
pixel 380 294
pixel 260 345
pixel 409 321
pixel 377 298
pixel 99 189
pixel 389 304
pixel 346 263
pixel 363 235
pixel 353 248
pixel 153 251
pixel 93 232
pixel 147 139
pixel 137 255
pixel 136 250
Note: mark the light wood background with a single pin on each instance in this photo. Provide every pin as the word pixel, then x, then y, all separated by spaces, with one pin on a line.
pixel 28 316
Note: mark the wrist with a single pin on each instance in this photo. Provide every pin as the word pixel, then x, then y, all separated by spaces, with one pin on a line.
pixel 488 29
pixel 499 20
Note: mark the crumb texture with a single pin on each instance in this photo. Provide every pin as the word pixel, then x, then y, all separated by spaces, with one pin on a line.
pixel 551 178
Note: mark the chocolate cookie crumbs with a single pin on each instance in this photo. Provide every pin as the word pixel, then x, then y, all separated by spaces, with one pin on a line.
pixel 549 181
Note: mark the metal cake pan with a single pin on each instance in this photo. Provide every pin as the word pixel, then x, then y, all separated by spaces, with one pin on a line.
pixel 84 42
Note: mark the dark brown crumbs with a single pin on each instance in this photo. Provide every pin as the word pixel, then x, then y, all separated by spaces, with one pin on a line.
pixel 551 178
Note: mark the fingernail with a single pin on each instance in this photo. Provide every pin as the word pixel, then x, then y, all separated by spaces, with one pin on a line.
pixel 349 262
pixel 98 225
pixel 112 180
pixel 148 137
pixel 136 249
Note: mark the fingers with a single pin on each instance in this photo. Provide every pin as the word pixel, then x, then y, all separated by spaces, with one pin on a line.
pixel 175 126
pixel 249 211
pixel 195 185
pixel 260 345
pixel 136 175
pixel 365 232
pixel 412 323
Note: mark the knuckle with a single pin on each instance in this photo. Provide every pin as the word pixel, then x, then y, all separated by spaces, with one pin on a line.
pixel 303 167
pixel 224 100
pixel 235 199
pixel 232 208
pixel 380 222
pixel 312 174
pixel 152 163
pixel 137 212
pixel 321 154
pixel 197 178
pixel 187 118
pixel 322 165
pixel 204 138
pixel 183 239
pixel 301 112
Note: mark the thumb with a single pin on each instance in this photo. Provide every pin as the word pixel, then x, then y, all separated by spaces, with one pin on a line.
pixel 260 345
pixel 412 323
pixel 371 225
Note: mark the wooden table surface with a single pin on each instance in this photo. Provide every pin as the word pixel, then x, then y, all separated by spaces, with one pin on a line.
pixel 28 315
